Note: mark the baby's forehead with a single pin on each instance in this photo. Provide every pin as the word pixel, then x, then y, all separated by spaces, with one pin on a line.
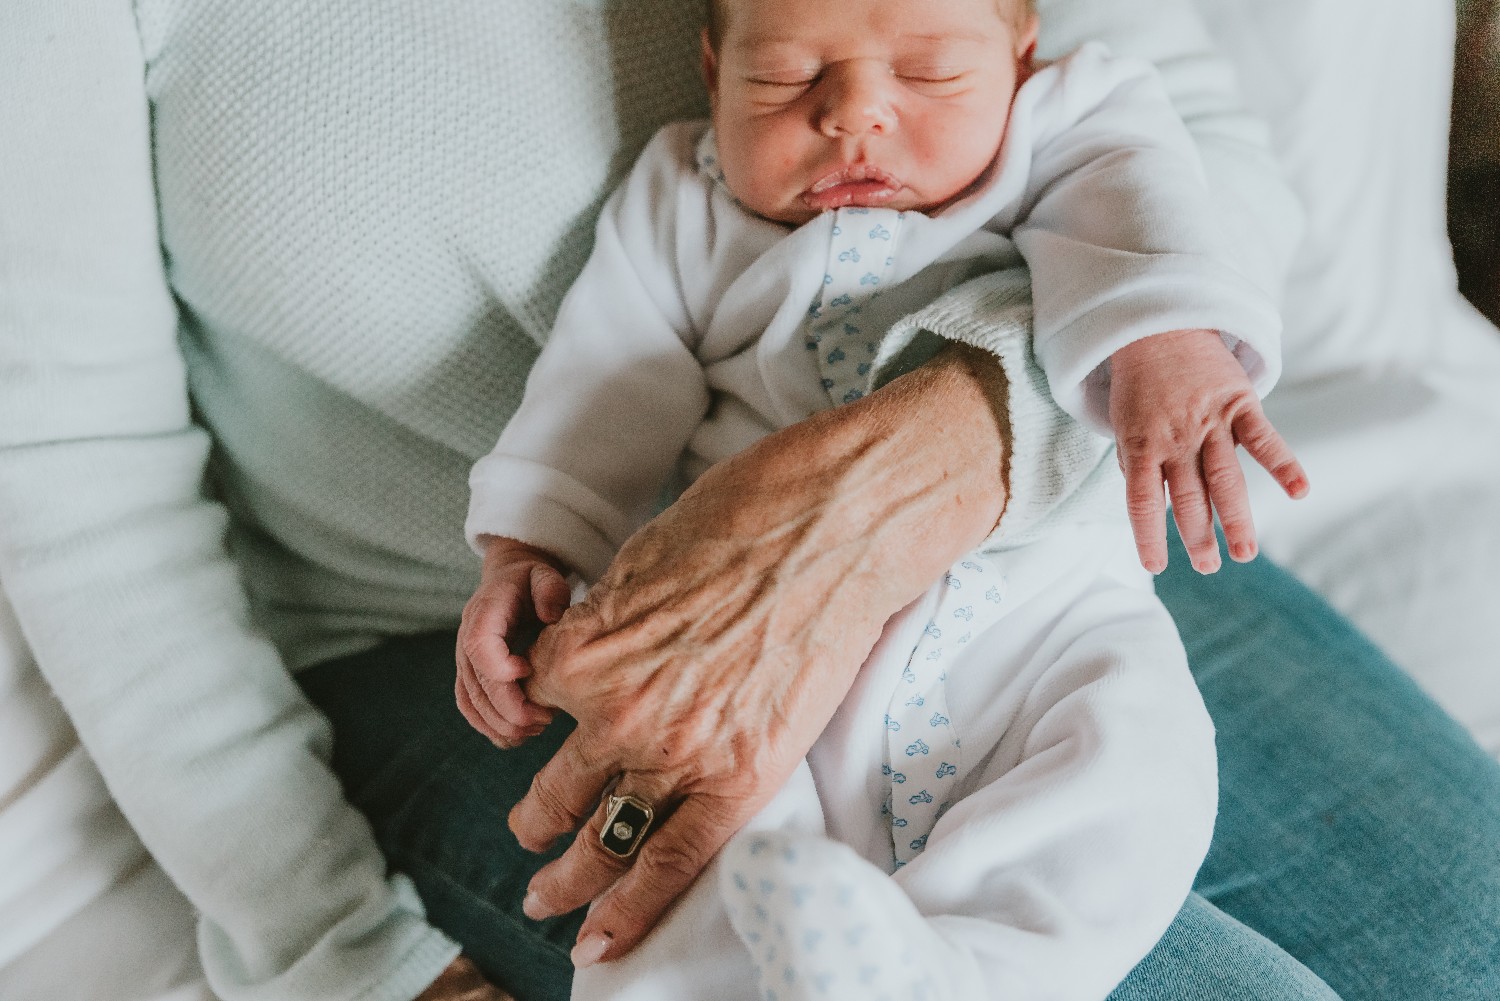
pixel 758 24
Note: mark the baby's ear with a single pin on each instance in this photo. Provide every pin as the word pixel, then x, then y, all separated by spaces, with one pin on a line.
pixel 1026 39
pixel 710 66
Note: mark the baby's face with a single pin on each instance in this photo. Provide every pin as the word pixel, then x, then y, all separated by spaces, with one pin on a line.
pixel 819 104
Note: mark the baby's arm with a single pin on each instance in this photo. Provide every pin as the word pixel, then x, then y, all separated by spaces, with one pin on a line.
pixel 1134 281
pixel 608 408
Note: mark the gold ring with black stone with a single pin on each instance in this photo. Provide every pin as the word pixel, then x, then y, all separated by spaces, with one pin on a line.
pixel 625 825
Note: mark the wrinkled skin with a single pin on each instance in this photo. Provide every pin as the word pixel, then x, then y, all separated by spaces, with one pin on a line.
pixel 1180 403
pixel 706 661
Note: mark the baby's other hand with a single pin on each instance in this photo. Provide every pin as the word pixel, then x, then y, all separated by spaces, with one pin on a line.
pixel 1180 403
pixel 521 590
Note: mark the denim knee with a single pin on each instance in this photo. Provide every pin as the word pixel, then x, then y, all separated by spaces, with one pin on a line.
pixel 1206 955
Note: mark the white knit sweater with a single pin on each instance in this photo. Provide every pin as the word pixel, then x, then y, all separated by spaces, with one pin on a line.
pixel 343 228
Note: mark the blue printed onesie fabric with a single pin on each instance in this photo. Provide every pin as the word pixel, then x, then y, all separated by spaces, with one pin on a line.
pixel 923 754
pixel 819 921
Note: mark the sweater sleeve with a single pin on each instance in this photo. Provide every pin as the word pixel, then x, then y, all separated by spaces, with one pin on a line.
pixel 1120 232
pixel 616 393
pixel 114 559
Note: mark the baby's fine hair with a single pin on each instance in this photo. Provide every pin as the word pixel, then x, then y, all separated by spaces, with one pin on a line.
pixel 1020 9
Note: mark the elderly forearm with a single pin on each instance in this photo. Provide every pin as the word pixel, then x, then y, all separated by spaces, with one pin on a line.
pixel 909 478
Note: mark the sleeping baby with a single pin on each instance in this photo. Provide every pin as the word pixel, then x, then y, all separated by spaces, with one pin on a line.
pixel 1014 797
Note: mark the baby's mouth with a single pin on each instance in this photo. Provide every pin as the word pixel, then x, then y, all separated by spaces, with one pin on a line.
pixel 859 184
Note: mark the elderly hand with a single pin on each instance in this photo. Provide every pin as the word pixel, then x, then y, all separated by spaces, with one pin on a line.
pixel 1180 403
pixel 705 663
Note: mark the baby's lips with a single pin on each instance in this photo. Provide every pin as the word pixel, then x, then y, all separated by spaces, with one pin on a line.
pixel 860 184
pixel 852 174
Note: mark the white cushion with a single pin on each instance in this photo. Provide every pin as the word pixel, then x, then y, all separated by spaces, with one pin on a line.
pixel 1391 387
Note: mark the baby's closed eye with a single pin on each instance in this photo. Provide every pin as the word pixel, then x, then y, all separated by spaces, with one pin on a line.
pixel 782 86
pixel 932 80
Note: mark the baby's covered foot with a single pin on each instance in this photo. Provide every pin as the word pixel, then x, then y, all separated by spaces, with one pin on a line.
pixel 822 923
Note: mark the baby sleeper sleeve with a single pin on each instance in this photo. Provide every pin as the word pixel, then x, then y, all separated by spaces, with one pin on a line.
pixel 1255 206
pixel 615 395
pixel 1120 232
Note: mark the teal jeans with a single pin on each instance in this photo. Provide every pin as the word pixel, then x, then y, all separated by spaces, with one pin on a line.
pixel 1357 854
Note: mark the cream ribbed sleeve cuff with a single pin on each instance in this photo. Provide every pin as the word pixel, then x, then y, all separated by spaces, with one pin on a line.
pixel 1060 471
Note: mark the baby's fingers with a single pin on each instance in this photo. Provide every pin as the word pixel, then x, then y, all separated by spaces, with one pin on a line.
pixel 476 708
pixel 1147 506
pixel 489 673
pixel 511 702
pixel 1226 488
pixel 495 675
pixel 1266 446
pixel 549 593
pixel 1194 516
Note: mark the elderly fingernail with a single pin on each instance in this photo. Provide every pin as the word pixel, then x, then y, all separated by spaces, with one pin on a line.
pixel 533 907
pixel 589 950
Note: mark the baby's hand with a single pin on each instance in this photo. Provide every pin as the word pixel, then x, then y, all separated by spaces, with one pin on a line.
pixel 1180 403
pixel 521 590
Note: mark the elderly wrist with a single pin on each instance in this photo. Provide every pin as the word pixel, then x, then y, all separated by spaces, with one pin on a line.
pixel 900 483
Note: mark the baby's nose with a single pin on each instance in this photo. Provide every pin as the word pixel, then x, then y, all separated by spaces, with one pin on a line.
pixel 859 100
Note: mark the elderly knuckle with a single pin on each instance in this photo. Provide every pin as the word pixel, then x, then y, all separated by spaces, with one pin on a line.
pixel 552 806
pixel 668 864
pixel 563 650
pixel 755 763
pixel 597 858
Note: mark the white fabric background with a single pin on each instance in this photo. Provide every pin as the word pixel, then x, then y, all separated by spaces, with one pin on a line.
pixel 1391 386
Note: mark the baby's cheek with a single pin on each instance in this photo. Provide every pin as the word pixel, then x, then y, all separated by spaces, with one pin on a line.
pixel 770 182
pixel 963 152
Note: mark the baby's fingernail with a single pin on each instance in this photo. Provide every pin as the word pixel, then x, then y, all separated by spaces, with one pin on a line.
pixel 533 907
pixel 1208 567
pixel 1243 552
pixel 590 950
